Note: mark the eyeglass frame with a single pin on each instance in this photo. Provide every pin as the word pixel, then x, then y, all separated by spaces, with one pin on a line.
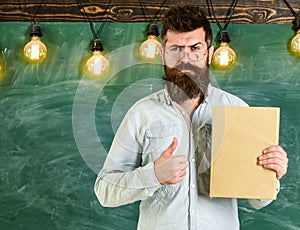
pixel 202 53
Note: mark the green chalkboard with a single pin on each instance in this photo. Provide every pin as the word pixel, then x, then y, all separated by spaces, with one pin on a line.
pixel 57 126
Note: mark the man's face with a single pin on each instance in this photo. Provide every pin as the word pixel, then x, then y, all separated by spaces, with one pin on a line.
pixel 186 47
pixel 186 58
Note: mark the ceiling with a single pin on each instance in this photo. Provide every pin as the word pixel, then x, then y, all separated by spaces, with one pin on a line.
pixel 246 11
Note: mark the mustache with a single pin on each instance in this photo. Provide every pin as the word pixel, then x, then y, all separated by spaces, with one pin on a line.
pixel 193 73
pixel 187 66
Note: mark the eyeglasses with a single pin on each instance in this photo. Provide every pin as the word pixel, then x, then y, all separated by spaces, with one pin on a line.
pixel 176 53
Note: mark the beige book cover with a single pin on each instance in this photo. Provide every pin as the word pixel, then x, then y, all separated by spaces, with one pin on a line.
pixel 239 134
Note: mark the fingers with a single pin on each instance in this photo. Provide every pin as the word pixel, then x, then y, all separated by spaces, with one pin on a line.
pixel 180 174
pixel 170 150
pixel 169 168
pixel 275 148
pixel 275 158
pixel 179 178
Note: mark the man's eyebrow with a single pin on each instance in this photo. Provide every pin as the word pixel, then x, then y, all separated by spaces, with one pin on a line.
pixel 201 43
pixel 197 43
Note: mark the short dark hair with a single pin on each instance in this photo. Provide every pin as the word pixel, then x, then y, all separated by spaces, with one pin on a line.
pixel 185 18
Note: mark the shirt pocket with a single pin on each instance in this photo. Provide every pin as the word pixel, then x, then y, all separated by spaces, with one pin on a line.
pixel 158 138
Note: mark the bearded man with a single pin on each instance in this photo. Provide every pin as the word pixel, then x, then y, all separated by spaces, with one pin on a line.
pixel 161 152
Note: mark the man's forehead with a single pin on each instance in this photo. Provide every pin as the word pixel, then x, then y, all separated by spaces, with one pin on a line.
pixel 186 38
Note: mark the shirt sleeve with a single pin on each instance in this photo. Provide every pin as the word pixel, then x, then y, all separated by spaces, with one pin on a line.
pixel 258 204
pixel 123 179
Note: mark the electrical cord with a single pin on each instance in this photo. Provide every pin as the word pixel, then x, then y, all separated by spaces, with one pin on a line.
pixel 291 9
pixel 35 18
pixel 96 34
pixel 159 13
pixel 229 15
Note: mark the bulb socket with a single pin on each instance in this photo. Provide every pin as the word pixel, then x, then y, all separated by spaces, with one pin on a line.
pixel 36 31
pixel 97 45
pixel 296 23
pixel 153 30
pixel 224 37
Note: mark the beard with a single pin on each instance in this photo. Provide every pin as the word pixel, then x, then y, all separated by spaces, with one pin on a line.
pixel 184 86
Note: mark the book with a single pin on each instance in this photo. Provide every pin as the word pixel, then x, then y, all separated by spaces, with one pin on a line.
pixel 239 135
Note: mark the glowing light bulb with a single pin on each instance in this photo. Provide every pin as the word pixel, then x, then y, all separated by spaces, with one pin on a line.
pixel 224 57
pixel 35 51
pixel 97 66
pixel 150 50
pixel 295 44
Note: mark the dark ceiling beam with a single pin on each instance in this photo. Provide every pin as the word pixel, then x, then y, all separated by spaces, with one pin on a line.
pixel 254 11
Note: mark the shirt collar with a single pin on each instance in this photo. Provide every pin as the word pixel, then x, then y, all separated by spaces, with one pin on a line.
pixel 167 96
pixel 208 93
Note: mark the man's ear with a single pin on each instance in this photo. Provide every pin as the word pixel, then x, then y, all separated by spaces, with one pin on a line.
pixel 210 53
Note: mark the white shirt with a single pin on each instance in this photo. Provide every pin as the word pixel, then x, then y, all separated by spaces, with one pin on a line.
pixel 128 172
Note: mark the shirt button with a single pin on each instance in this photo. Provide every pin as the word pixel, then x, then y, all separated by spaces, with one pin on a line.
pixel 193 211
pixel 193 185
pixel 193 160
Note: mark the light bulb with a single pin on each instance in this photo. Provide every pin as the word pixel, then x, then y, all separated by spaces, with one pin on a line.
pixel 224 57
pixel 150 50
pixel 295 44
pixel 35 51
pixel 97 66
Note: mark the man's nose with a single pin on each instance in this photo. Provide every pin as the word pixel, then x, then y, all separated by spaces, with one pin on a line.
pixel 185 57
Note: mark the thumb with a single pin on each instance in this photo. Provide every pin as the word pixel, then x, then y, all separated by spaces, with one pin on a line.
pixel 169 151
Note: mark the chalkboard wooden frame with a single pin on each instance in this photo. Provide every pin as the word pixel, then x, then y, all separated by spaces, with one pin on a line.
pixel 255 11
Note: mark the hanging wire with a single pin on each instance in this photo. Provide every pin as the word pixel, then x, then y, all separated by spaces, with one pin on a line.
pixel 153 29
pixel 291 9
pixel 143 7
pixel 229 14
pixel 158 15
pixel 160 11
pixel 96 34
pixel 296 22
pixel 35 18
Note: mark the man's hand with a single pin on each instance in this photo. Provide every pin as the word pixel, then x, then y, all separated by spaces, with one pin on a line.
pixel 170 169
pixel 275 158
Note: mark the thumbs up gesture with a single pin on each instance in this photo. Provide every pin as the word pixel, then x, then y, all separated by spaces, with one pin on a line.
pixel 170 169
